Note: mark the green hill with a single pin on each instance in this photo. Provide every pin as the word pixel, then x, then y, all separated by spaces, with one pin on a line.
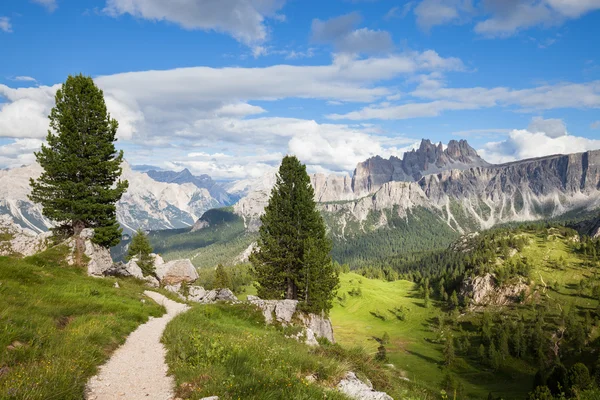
pixel 497 348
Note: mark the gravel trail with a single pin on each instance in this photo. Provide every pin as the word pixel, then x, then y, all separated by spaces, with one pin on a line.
pixel 137 369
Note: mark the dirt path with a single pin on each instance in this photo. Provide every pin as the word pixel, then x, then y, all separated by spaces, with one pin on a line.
pixel 137 370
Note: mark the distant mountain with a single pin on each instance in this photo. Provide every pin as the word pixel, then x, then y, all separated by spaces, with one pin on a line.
pixel 147 204
pixel 458 187
pixel 202 182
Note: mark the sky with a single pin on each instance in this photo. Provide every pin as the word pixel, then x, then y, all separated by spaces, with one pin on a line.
pixel 228 87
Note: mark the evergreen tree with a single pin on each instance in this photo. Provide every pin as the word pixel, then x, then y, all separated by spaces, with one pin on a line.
pixel 80 184
pixel 140 249
pixel 222 280
pixel 293 257
pixel 449 353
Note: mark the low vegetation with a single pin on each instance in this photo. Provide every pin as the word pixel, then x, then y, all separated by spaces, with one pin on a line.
pixel 227 351
pixel 57 325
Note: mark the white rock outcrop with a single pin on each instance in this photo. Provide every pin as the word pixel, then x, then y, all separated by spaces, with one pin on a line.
pixel 356 389
pixel 98 257
pixel 20 240
pixel 176 271
pixel 483 290
pixel 285 312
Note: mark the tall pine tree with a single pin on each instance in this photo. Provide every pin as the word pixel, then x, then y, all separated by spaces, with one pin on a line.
pixel 293 258
pixel 80 184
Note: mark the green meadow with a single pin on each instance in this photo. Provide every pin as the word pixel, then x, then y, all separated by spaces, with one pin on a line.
pixel 57 325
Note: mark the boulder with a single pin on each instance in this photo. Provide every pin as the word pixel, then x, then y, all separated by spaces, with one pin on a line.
pixel 285 312
pixel 15 240
pixel 176 271
pixel 131 269
pixel 356 389
pixel 152 281
pixel 319 325
pixel 98 258
pixel 196 293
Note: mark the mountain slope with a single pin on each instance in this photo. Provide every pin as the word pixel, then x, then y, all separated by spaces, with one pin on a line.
pixel 204 181
pixel 147 204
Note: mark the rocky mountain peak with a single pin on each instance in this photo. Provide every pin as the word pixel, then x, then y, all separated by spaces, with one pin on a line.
pixel 428 159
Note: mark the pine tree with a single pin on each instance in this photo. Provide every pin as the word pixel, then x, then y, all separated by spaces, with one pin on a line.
pixel 140 249
pixel 449 354
pixel 80 184
pixel 222 280
pixel 293 259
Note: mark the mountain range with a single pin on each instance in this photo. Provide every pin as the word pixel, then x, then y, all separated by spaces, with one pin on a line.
pixel 452 184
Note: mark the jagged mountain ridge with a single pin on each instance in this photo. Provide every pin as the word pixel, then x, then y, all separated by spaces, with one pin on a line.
pixel 147 204
pixel 475 195
pixel 200 181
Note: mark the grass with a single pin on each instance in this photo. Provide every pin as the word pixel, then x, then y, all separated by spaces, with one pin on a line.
pixel 227 351
pixel 359 319
pixel 57 325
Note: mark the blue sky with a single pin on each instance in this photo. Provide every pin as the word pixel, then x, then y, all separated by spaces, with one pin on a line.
pixel 226 87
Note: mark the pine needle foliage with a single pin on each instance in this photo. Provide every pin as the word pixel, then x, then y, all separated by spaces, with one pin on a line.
pixel 140 249
pixel 293 260
pixel 80 184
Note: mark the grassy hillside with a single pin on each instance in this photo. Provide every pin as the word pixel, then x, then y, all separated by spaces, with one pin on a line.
pixel 497 349
pixel 227 351
pixel 57 325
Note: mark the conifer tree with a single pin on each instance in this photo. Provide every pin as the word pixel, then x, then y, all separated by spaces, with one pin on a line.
pixel 222 280
pixel 80 184
pixel 140 249
pixel 293 259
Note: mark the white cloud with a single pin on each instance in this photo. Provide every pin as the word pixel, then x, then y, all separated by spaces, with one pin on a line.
pixel 242 19
pixel 19 152
pixel 553 128
pixel 340 31
pixel 5 25
pixel 545 97
pixel 522 144
pixel 24 79
pixel 49 4
pixel 430 13
pixel 502 18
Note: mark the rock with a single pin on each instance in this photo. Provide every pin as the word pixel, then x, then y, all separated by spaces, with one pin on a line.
pixel 210 398
pixel 99 258
pixel 319 325
pixel 196 293
pixel 173 288
pixel 245 255
pixel 176 271
pixel 354 388
pixel 285 312
pixel 116 285
pixel 212 296
pixel 482 290
pixel 158 260
pixel 152 281
pixel 21 241
pixel 131 269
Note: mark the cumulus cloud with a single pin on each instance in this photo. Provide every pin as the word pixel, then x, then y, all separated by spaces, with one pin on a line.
pixel 502 18
pixel 552 127
pixel 522 144
pixel 342 33
pixel 5 25
pixel 242 19
pixel 543 137
pixel 49 4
